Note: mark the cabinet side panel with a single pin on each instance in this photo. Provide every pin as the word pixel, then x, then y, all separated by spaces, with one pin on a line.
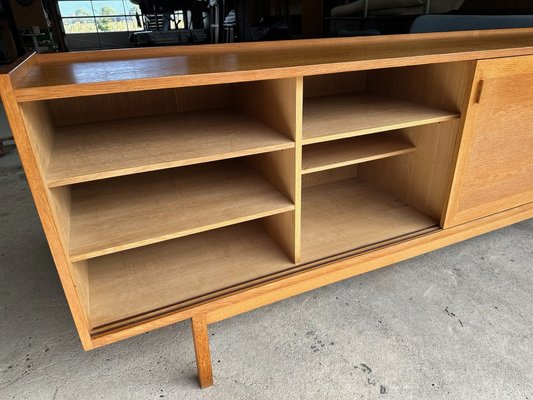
pixel 40 131
pixel 80 277
pixel 31 161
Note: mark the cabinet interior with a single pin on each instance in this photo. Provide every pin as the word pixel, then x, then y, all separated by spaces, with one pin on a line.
pixel 167 198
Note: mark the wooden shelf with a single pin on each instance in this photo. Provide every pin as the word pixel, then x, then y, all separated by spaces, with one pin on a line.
pixel 339 153
pixel 88 152
pixel 354 114
pixel 149 278
pixel 122 213
pixel 345 215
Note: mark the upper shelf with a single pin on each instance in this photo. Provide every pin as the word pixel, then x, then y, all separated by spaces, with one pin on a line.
pixel 99 150
pixel 123 213
pixel 354 114
pixel 96 72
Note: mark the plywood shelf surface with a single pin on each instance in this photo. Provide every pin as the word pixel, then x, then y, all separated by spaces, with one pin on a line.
pixel 107 149
pixel 354 114
pixel 341 216
pixel 141 280
pixel 122 213
pixel 339 153
pixel 88 73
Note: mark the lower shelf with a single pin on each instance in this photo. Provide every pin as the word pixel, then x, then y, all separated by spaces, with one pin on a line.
pixel 337 217
pixel 345 215
pixel 134 282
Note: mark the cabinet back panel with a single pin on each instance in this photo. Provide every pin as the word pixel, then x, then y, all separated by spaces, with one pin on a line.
pixel 330 84
pixel 107 107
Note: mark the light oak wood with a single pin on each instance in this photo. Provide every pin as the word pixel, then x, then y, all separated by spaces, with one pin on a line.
pixel 329 175
pixel 279 169
pixel 80 278
pixel 273 101
pixel 331 84
pixel 339 153
pixel 321 275
pixel 419 178
pixel 344 215
pixel 90 73
pixel 194 253
pixel 20 68
pixel 422 178
pixel 122 213
pixel 88 152
pixel 200 337
pixel 278 103
pixel 33 168
pixel 494 169
pixel 341 116
pixel 110 107
pixel 139 281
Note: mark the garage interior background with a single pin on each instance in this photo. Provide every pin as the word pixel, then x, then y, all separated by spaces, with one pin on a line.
pixel 70 25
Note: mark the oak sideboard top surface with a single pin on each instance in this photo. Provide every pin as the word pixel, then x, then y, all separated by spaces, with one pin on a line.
pixel 48 76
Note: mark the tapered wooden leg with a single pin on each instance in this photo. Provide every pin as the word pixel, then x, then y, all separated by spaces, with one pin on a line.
pixel 201 349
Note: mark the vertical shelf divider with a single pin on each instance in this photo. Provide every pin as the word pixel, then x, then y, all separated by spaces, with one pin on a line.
pixel 278 103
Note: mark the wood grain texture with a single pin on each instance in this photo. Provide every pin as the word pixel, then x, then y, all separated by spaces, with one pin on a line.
pixel 339 153
pixel 274 102
pixel 33 169
pixel 40 130
pixel 110 107
pixel 143 209
pixel 419 178
pixel 422 178
pixel 90 73
pixel 332 84
pixel 344 215
pixel 93 151
pixel 341 116
pixel 18 70
pixel 139 281
pixel 80 278
pixel 321 275
pixel 122 213
pixel 200 337
pixel 494 169
pixel 278 103
pixel 329 175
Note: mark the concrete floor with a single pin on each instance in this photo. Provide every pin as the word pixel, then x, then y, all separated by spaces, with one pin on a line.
pixel 453 324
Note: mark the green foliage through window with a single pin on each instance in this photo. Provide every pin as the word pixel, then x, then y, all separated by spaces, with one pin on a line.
pixel 91 16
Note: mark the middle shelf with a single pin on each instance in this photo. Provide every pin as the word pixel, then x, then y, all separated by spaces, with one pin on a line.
pixel 339 153
pixel 122 213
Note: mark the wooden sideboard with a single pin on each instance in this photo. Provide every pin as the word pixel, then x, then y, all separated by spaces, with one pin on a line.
pixel 203 182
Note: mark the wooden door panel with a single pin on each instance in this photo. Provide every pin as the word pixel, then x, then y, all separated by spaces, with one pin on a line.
pixel 494 169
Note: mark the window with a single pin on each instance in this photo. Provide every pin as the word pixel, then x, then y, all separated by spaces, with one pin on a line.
pixel 86 16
